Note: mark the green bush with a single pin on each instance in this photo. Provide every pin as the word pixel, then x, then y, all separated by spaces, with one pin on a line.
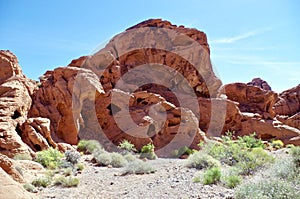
pixel 127 146
pixel 104 159
pixel 212 176
pixel 22 156
pixel 43 181
pixel 147 151
pixel 277 144
pixel 117 160
pixel 89 146
pixel 30 188
pixel 66 181
pixel 295 152
pixel 113 159
pixel 129 157
pixel 235 153
pixel 283 169
pixel 200 160
pixel 229 153
pixel 80 167
pixel 267 189
pixel 231 181
pixel 138 167
pixel 182 151
pixel 255 159
pixel 50 158
pixel 249 141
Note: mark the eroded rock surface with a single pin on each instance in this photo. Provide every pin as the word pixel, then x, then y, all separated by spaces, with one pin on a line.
pixel 252 99
pixel 15 102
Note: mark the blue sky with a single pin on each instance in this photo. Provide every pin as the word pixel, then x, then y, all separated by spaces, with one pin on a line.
pixel 247 38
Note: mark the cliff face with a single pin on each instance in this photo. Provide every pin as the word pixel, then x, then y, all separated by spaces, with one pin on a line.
pixel 153 82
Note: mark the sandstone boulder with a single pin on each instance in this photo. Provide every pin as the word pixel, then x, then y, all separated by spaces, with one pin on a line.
pixel 260 83
pixel 36 133
pixel 288 102
pixel 268 129
pixel 60 98
pixel 151 44
pixel 141 118
pixel 293 121
pixel 15 102
pixel 9 166
pixel 252 99
pixel 10 189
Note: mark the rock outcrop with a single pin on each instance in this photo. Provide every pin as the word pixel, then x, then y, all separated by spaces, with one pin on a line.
pixel 153 83
pixel 10 189
pixel 15 102
pixel 158 45
pixel 60 98
pixel 252 99
pixel 288 102
pixel 260 83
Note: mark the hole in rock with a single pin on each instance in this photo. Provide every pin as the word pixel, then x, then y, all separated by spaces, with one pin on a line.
pixel 16 115
pixel 37 147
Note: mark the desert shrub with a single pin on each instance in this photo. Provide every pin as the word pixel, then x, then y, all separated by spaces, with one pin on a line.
pixel 117 160
pixel 104 159
pixel 113 159
pixel 22 156
pixel 182 151
pixel 67 171
pixel 138 167
pixel 80 167
pixel 147 151
pixel 30 188
pixel 19 169
pixel 231 181
pixel 127 146
pixel 277 144
pixel 283 169
pixel 295 152
pixel 201 160
pixel 290 146
pixel 72 156
pixel 267 188
pixel 66 181
pixel 237 153
pixel 43 181
pixel 212 176
pixel 129 157
pixel 50 158
pixel 249 141
pixel 255 159
pixel 89 146
pixel 229 153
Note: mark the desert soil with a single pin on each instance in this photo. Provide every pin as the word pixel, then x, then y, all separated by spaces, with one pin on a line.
pixel 171 180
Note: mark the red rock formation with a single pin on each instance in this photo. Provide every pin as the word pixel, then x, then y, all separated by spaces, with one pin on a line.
pixel 260 83
pixel 15 101
pixel 252 99
pixel 288 102
pixel 184 51
pixel 8 166
pixel 36 134
pixel 10 189
pixel 60 98
pixel 293 121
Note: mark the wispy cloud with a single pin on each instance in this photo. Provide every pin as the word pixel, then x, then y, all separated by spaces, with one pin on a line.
pixel 246 35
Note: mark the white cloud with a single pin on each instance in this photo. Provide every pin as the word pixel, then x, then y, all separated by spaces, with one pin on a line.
pixel 229 40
